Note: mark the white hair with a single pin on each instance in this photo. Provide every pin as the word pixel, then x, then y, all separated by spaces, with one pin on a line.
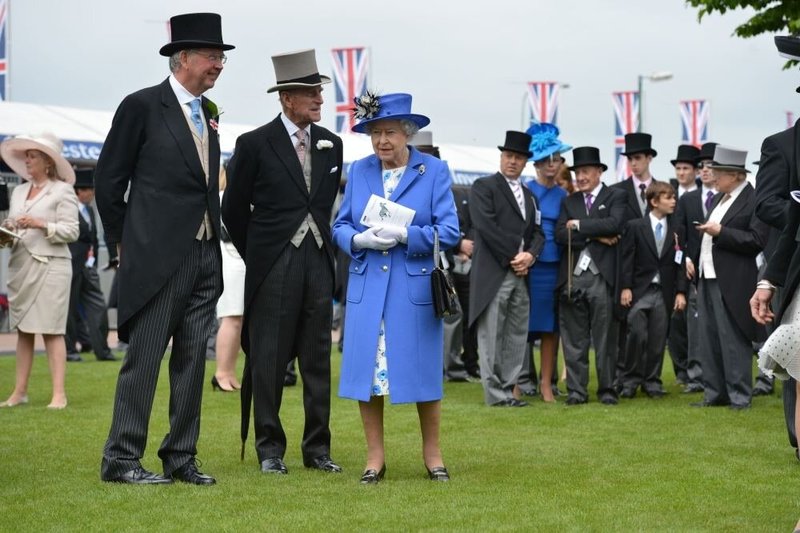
pixel 175 61
pixel 410 128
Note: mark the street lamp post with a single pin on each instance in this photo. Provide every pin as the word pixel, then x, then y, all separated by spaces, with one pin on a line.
pixel 655 76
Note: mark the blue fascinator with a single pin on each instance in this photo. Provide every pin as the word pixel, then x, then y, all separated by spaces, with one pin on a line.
pixel 545 141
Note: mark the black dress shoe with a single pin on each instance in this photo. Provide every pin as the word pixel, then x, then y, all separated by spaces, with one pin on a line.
pixel 529 392
pixel 572 400
pixel 438 473
pixel 609 400
pixel 322 462
pixel 74 357
pixel 274 465
pixel 189 473
pixel 108 356
pixel 693 387
pixel 140 476
pixel 627 393
pixel 289 381
pixel 513 402
pixel 656 393
pixel 372 476
pixel 762 391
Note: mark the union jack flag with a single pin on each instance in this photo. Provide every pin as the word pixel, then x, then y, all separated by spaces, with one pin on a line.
pixel 543 101
pixel 3 50
pixel 626 120
pixel 694 121
pixel 350 69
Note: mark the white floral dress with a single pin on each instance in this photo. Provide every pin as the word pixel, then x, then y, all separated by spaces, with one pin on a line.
pixel 380 379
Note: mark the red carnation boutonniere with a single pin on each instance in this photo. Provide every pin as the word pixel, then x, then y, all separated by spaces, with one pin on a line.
pixel 214 112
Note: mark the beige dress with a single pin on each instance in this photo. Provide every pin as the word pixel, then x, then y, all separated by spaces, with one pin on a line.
pixel 40 268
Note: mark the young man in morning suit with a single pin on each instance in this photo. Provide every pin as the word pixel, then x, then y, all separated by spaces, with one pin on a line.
pixel 653 284
pixel 507 242
pixel 163 143
pixel 591 220
pixel 289 172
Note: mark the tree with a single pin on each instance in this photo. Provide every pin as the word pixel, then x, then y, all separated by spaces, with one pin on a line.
pixel 772 16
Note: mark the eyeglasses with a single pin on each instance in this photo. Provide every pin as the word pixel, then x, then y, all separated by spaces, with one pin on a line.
pixel 214 58
pixel 706 164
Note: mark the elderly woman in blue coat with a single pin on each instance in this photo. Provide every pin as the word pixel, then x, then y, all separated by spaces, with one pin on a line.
pixel 393 344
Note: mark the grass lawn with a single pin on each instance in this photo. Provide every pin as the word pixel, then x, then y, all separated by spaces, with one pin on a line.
pixel 640 466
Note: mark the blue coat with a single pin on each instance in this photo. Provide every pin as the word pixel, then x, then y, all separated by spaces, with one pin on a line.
pixel 395 284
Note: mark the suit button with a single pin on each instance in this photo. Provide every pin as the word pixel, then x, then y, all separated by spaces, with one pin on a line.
pixel 356 269
pixel 384 268
pixel 385 252
pixel 424 270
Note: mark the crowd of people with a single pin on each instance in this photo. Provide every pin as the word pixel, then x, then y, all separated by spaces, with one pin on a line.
pixel 562 259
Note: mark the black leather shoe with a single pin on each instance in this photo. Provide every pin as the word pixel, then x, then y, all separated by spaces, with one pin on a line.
pixel 108 356
pixel 627 393
pixel 274 465
pixel 762 391
pixel 609 400
pixel 693 387
pixel 656 393
pixel 529 392
pixel 372 476
pixel 572 400
pixel 513 402
pixel 74 357
pixel 140 476
pixel 324 463
pixel 189 473
pixel 438 473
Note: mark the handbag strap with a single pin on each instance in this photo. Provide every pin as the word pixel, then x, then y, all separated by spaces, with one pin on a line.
pixel 436 259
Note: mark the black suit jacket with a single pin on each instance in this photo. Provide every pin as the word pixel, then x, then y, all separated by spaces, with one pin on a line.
pixel 150 148
pixel 498 229
pixel 778 169
pixel 775 172
pixel 640 260
pixel 87 240
pixel 265 172
pixel 631 198
pixel 606 219
pixel 734 251
pixel 461 198
pixel 688 211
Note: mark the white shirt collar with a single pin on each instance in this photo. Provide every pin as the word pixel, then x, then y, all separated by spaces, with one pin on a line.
pixel 292 128
pixel 183 96
pixel 706 190
pixel 737 191
pixel 654 221
pixel 594 192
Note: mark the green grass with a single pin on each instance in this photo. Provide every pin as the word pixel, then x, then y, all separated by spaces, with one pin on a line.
pixel 644 465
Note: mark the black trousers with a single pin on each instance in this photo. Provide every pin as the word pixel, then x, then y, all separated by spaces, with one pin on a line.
pixel 183 310
pixel 290 316
pixel 469 333
pixel 85 292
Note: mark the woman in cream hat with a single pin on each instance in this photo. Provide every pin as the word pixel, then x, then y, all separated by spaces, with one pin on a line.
pixel 44 216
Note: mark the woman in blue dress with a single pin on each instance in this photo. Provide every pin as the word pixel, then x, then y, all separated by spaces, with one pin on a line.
pixel 543 322
pixel 393 341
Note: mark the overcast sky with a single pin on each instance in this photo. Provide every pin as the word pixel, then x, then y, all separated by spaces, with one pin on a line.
pixel 466 63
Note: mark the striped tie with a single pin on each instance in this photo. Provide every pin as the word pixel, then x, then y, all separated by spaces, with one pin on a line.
pixel 516 188
pixel 300 147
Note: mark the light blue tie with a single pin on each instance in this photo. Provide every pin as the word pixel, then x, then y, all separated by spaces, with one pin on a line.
pixel 659 232
pixel 197 118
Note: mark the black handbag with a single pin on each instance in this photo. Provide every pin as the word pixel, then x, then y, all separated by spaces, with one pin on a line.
pixel 445 298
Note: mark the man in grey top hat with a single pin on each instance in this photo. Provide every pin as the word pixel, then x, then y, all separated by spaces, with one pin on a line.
pixel 732 237
pixel 282 182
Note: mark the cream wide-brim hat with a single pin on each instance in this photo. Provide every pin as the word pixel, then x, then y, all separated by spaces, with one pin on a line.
pixel 13 149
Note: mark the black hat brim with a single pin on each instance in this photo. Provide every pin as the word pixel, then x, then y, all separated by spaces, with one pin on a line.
pixel 687 161
pixel 648 151
pixel 170 48
pixel 527 154
pixel 597 164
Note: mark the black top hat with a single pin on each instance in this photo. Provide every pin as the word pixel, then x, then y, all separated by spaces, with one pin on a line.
pixel 706 152
pixel 788 47
pixel 519 142
pixel 639 143
pixel 687 153
pixel 586 156
pixel 195 30
pixel 84 178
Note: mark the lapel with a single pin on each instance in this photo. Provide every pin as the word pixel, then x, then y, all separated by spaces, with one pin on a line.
pixel 44 192
pixel 175 120
pixel 505 190
pixel 669 236
pixel 740 203
pixel 414 169
pixel 280 141
pixel 793 181
pixel 650 236
pixel 601 197
pixel 318 159
pixel 213 142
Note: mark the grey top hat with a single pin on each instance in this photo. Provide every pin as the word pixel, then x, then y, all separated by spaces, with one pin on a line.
pixel 295 70
pixel 726 158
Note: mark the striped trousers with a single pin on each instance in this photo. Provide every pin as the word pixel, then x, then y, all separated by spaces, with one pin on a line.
pixel 182 310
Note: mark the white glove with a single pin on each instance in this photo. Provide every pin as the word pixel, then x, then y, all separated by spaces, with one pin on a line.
pixel 369 239
pixel 398 233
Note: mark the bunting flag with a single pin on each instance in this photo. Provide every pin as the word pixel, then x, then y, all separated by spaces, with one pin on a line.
pixel 626 120
pixel 350 69
pixel 3 50
pixel 694 121
pixel 789 119
pixel 543 101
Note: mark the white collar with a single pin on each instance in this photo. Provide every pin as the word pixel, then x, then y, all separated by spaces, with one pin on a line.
pixel 183 96
pixel 291 127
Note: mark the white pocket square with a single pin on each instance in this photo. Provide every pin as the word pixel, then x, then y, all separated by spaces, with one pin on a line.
pixel 334 169
pixel 601 207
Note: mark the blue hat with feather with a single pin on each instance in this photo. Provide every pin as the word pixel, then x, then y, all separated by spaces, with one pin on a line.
pixel 545 141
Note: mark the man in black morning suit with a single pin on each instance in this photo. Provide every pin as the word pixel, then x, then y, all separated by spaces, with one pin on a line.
pixel 163 144
pixel 289 172
pixel 85 293
pixel 595 215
